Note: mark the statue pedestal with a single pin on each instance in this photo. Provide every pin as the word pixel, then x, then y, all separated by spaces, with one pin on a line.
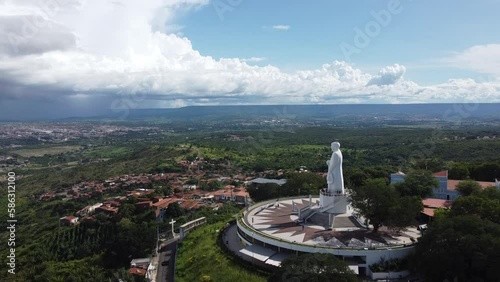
pixel 333 202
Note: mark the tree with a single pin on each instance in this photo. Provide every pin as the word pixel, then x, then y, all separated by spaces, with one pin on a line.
pixel 214 185
pixel 374 201
pixel 259 167
pixel 382 205
pixel 404 212
pixel 307 183
pixel 355 177
pixel 459 171
pixel 174 210
pixel 264 192
pixel 211 186
pixel 314 267
pixel 467 187
pixel 432 164
pixel 417 183
pixel 87 269
pixel 165 190
pixel 485 204
pixel 127 210
pixel 459 248
pixel 485 171
pixel 463 244
pixel 191 158
pixel 192 181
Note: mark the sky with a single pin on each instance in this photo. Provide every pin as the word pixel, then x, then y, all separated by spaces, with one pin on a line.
pixel 91 57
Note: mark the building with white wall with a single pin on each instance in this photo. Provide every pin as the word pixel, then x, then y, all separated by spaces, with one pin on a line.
pixel 447 189
pixel 272 230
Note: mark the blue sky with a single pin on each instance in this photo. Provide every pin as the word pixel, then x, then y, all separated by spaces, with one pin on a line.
pixel 418 37
pixel 89 57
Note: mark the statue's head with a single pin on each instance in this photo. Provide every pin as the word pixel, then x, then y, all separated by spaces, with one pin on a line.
pixel 335 146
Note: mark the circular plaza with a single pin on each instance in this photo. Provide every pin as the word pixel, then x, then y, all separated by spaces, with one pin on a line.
pixel 273 230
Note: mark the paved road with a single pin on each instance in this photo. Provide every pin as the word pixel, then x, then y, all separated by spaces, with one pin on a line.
pixel 166 272
pixel 233 242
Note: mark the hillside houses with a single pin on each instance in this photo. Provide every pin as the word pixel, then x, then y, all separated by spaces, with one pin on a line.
pixel 143 188
pixel 107 210
pixel 189 200
pixel 231 193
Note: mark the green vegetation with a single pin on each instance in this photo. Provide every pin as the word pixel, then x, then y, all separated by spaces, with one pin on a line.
pixel 141 160
pixel 418 183
pixel 199 258
pixel 480 171
pixel 297 184
pixel 463 244
pixel 314 267
pixel 73 271
pixel 390 265
pixel 108 152
pixel 394 206
pixel 381 205
pixel 45 150
pixel 468 187
pixel 46 249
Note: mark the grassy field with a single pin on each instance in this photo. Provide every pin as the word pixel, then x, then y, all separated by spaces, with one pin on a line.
pixel 108 152
pixel 36 152
pixel 200 259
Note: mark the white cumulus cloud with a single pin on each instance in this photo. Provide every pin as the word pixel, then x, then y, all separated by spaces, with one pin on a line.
pixel 281 27
pixel 253 59
pixel 100 49
pixel 388 75
pixel 481 58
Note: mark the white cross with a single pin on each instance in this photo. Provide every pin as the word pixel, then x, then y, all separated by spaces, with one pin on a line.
pixel 172 222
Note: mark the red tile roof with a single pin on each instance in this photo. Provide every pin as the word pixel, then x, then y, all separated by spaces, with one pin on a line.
pixel 241 193
pixel 108 208
pixel 189 204
pixel 436 203
pixel 157 199
pixel 231 192
pixel 137 271
pixel 164 203
pixel 429 212
pixel 113 203
pixel 430 205
pixel 441 173
pixel 452 184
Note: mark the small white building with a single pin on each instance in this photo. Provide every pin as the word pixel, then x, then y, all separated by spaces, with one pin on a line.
pixel 140 263
pixel 189 187
pixel 68 220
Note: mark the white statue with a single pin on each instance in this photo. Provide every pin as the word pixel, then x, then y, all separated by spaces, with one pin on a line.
pixel 335 179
